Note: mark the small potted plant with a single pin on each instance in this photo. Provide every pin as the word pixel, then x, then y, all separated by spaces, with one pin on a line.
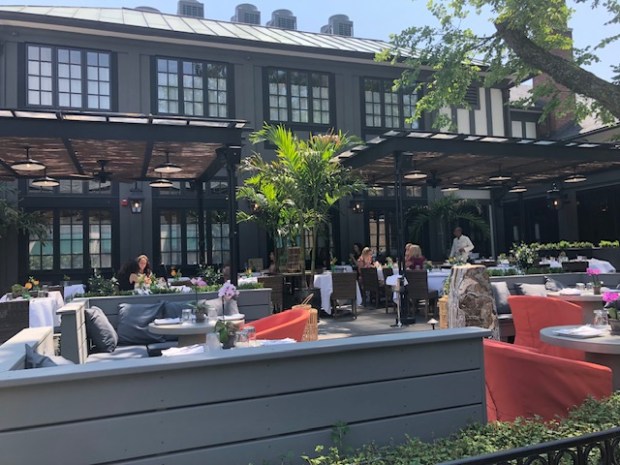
pixel 594 273
pixel 17 290
pixel 612 302
pixel 226 331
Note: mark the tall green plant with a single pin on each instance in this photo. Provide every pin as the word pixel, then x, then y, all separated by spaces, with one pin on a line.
pixel 447 212
pixel 306 176
pixel 13 218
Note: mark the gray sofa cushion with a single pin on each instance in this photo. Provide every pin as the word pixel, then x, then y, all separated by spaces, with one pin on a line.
pixel 501 294
pixel 100 331
pixel 531 289
pixel 553 285
pixel 133 322
pixel 121 353
pixel 36 360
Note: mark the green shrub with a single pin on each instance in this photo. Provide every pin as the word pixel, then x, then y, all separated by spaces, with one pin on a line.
pixel 590 417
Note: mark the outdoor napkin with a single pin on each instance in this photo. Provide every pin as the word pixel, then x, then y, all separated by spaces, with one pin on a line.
pixel 173 351
pixel 583 331
pixel 569 291
pixel 273 342
pixel 167 321
pixel 236 316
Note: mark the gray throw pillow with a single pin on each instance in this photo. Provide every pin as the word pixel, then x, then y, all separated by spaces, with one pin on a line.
pixel 133 323
pixel 37 360
pixel 173 309
pixel 100 331
pixel 531 289
pixel 501 294
pixel 553 285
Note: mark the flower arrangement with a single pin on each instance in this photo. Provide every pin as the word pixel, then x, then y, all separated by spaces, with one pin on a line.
pixel 228 291
pixel 594 273
pixel 32 284
pixel 612 301
pixel 176 273
pixel 525 255
pixel 98 285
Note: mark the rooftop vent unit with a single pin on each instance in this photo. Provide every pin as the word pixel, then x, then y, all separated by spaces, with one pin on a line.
pixel 339 25
pixel 283 19
pixel 246 13
pixel 191 8
pixel 147 9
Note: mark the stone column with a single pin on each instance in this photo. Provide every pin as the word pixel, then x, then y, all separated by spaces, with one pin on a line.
pixel 470 299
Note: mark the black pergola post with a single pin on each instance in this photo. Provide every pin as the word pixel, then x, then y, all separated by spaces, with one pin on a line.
pixel 400 238
pixel 233 158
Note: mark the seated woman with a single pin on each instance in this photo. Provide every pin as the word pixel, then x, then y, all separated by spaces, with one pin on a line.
pixel 142 275
pixel 414 260
pixel 272 263
pixel 365 259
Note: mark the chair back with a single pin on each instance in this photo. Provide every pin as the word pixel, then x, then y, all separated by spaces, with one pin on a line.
pixel 276 284
pixel 256 264
pixel 575 267
pixel 370 280
pixel 389 271
pixel 344 285
pixel 14 316
pixel 417 284
pixel 287 324
pixel 530 314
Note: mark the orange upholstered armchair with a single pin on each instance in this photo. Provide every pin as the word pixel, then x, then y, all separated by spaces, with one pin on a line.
pixel 290 323
pixel 530 314
pixel 522 383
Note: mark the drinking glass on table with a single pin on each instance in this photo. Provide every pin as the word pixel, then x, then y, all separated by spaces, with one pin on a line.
pixel 251 334
pixel 600 319
pixel 186 316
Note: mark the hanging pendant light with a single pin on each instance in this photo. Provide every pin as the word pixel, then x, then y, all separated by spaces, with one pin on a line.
pixel 499 177
pixel 161 183
pixel 450 189
pixel 517 189
pixel 28 164
pixel 167 167
pixel 574 178
pixel 45 181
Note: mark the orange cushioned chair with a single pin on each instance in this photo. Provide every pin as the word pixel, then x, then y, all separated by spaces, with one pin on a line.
pixel 290 323
pixel 530 314
pixel 522 383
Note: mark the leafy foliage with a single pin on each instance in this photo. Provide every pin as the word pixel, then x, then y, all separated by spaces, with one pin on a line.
pixel 13 218
pixel 454 56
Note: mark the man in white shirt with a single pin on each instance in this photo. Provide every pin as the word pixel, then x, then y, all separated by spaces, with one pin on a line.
pixel 461 245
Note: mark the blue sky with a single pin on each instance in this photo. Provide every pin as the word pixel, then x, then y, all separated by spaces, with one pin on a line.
pixel 375 20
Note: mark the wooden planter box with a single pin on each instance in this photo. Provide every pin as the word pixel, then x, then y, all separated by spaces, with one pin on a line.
pixel 442 303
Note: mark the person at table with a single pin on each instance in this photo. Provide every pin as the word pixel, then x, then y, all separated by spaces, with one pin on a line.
pixel 272 269
pixel 355 254
pixel 143 273
pixel 365 259
pixel 415 260
pixel 461 246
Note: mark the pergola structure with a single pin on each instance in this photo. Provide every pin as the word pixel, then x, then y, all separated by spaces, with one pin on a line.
pixel 73 146
pixel 399 158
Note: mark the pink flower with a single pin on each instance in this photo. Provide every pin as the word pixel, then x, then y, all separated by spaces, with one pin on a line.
pixel 609 297
pixel 593 271
pixel 228 291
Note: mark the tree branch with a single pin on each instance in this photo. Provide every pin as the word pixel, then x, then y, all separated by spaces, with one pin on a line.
pixel 562 71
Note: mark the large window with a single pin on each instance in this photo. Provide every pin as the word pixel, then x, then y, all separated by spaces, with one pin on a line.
pixel 220 250
pixel 192 88
pixel 299 97
pixel 68 78
pixel 386 108
pixel 77 239
pixel 170 237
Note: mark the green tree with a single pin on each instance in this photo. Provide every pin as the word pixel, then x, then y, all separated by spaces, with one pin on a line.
pixel 306 176
pixel 525 36
pixel 13 218
pixel 446 213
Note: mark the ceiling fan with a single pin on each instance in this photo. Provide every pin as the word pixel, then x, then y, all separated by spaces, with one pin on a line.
pixel 100 175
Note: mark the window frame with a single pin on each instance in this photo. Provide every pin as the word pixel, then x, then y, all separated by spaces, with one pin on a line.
pixel 230 88
pixel 310 125
pixel 401 107
pixel 23 86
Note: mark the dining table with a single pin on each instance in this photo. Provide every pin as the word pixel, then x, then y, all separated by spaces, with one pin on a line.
pixel 588 301
pixel 324 283
pixel 603 349
pixel 190 333
pixel 42 310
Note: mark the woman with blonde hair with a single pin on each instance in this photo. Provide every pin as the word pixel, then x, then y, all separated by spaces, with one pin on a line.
pixel 365 259
pixel 414 259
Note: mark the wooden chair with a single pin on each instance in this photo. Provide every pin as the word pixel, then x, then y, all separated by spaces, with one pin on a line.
pixel 372 285
pixel 344 287
pixel 14 316
pixel 387 272
pixel 276 284
pixel 417 291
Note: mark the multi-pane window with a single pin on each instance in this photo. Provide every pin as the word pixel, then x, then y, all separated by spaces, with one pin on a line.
pixel 385 107
pixel 192 88
pixel 298 97
pixel 68 78
pixel 170 242
pixel 100 239
pixel 220 245
pixel 192 247
pixel 71 240
pixel 41 253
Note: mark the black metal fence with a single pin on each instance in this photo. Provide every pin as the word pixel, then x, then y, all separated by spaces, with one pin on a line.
pixel 591 449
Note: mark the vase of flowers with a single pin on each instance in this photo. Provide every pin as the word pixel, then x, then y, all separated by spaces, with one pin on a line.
pixel 227 293
pixel 612 302
pixel 594 273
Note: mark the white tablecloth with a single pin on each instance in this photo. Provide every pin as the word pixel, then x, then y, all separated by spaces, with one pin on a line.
pixel 325 284
pixel 42 310
pixel 73 289
pixel 246 280
pixel 601 265
pixel 436 278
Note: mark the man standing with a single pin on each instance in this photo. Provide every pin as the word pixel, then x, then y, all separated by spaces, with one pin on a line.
pixel 461 245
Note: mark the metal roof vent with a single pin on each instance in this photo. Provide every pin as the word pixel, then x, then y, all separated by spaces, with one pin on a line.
pixel 283 19
pixel 147 9
pixel 191 8
pixel 339 25
pixel 246 13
